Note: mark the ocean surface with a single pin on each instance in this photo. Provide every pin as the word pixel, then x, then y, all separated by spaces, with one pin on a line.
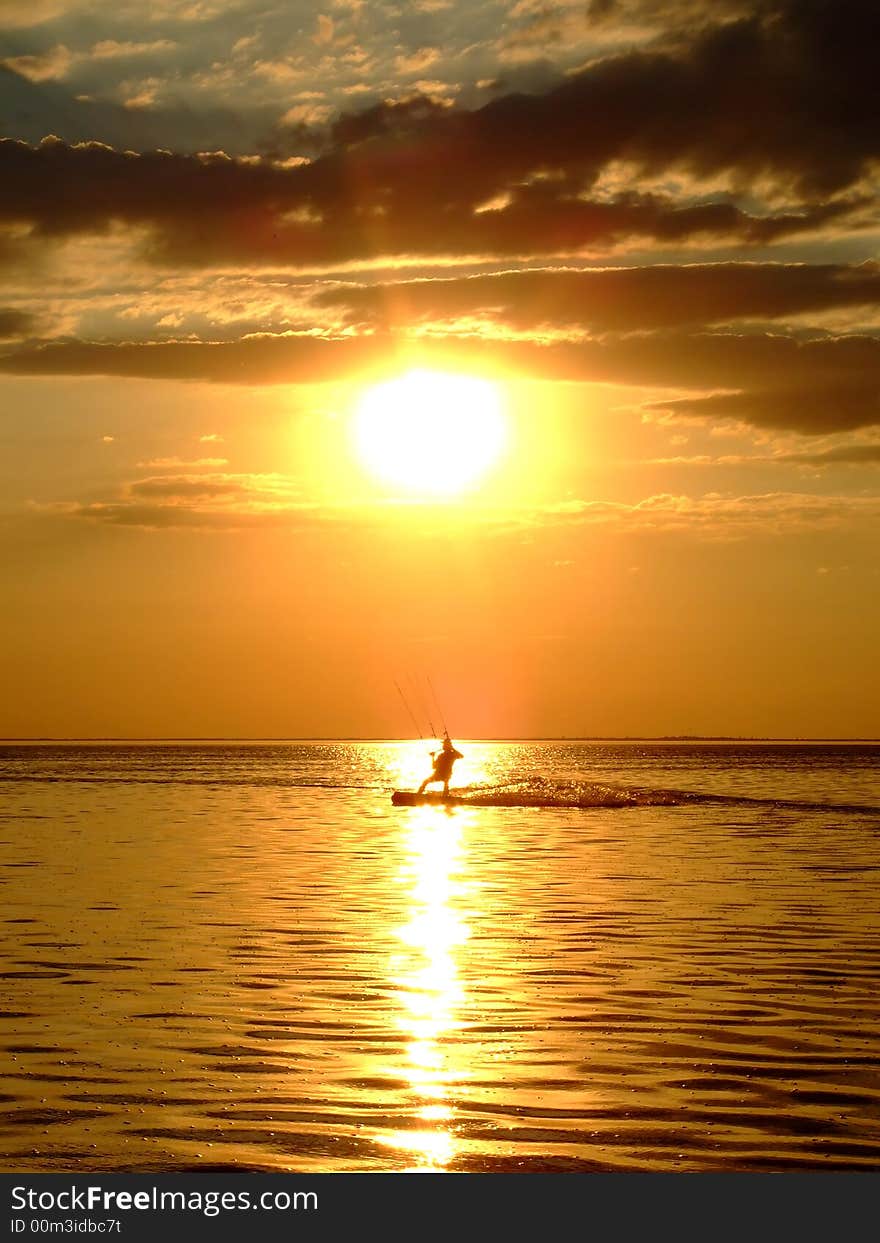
pixel 615 957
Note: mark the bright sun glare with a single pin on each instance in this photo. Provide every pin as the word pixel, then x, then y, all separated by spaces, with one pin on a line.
pixel 430 432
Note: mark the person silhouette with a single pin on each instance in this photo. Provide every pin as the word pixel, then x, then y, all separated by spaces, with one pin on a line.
pixel 443 762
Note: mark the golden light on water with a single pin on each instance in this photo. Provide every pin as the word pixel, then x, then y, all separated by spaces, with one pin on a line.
pixel 427 981
pixel 431 433
pixel 410 762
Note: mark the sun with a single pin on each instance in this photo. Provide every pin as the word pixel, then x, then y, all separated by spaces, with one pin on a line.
pixel 431 433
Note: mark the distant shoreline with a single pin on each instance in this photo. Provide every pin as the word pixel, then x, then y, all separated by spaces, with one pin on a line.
pixel 675 738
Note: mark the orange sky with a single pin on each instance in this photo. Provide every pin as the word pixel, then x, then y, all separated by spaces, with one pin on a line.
pixel 679 534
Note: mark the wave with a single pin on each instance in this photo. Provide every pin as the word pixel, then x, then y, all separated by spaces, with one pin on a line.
pixel 585 796
pixel 532 792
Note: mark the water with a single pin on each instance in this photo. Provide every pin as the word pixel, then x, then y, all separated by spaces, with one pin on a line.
pixel 221 957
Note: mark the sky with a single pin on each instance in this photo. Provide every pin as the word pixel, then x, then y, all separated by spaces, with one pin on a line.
pixel 641 236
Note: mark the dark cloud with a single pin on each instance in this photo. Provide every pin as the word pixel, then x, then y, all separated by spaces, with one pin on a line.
pixel 784 95
pixel 253 360
pixel 212 209
pixel 811 410
pixel 620 299
pixel 846 455
pixel 813 386
pixel 62 189
pixel 786 92
pixel 14 323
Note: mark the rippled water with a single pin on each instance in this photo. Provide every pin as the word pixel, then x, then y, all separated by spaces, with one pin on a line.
pixel 244 956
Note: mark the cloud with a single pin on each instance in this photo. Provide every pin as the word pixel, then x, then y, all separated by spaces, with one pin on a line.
pixel 784 93
pixel 308 112
pixel 253 360
pixel 266 487
pixel 736 124
pixel 56 62
pixel 31 12
pixel 781 99
pixel 416 61
pixel 219 501
pixel 324 30
pixel 170 517
pixel 712 516
pixel 614 299
pixel 42 66
pixel 145 93
pixel 15 323
pixel 212 209
pixel 813 386
pixel 839 455
pixel 176 463
pixel 48 107
pixel 809 409
pixel 851 455
pixel 718 516
pixel 114 49
pixel 677 14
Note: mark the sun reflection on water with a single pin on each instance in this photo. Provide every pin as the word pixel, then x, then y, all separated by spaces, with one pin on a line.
pixel 426 979
pixel 410 762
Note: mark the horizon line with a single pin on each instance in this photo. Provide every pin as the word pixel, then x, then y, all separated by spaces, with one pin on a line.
pixel 464 738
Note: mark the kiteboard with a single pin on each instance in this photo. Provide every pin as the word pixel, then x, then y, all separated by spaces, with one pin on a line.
pixel 410 798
